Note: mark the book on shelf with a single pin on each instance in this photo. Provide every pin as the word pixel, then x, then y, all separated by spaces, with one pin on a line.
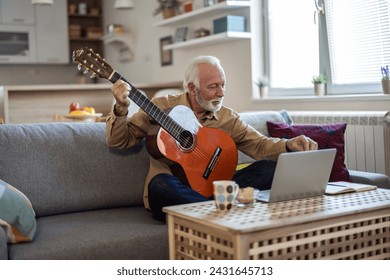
pixel 347 187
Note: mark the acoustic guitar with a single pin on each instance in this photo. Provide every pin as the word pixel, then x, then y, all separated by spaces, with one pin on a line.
pixel 197 155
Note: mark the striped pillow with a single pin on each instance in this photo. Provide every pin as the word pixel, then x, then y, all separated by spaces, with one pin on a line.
pixel 17 215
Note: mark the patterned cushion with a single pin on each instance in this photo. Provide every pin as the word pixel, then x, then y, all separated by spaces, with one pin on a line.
pixel 326 135
pixel 17 216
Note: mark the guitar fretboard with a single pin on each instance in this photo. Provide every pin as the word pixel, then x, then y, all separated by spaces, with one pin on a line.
pixel 158 115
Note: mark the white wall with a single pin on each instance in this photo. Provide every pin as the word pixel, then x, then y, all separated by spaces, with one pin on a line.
pixel 38 74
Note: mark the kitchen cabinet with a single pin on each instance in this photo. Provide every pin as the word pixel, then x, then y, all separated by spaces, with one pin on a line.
pixel 52 33
pixel 85 22
pixel 17 32
pixel 33 34
pixel 17 44
pixel 17 12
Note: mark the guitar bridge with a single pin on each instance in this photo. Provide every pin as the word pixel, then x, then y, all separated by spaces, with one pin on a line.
pixel 212 163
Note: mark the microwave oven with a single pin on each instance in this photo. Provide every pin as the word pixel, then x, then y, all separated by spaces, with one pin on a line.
pixel 17 44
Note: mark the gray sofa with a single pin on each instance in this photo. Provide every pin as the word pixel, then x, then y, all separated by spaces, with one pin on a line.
pixel 88 198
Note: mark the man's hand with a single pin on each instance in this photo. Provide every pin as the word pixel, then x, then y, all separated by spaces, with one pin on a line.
pixel 301 143
pixel 121 91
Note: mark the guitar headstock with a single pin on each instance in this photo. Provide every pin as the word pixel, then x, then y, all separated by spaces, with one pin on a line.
pixel 92 62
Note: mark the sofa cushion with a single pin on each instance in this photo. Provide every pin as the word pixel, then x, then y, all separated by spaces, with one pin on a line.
pixel 127 233
pixel 326 135
pixel 67 167
pixel 258 120
pixel 17 216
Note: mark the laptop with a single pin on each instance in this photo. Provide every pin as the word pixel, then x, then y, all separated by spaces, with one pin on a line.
pixel 300 175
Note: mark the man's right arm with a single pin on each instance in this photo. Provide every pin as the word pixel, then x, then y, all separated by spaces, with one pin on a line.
pixel 123 133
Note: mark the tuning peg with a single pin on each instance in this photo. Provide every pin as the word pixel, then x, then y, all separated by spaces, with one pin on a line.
pixel 86 71
pixel 79 66
pixel 93 75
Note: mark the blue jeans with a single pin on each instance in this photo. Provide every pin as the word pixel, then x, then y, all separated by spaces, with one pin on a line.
pixel 166 190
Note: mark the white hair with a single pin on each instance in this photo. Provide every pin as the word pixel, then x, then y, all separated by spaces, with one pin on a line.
pixel 192 73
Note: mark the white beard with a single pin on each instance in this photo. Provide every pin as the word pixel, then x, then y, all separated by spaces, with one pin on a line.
pixel 208 105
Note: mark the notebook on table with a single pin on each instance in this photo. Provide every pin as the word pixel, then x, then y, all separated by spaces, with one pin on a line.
pixel 347 187
pixel 300 175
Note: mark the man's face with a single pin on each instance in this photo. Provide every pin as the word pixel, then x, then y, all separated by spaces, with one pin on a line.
pixel 211 88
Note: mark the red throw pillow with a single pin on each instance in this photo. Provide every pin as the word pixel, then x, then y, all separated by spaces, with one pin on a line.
pixel 326 135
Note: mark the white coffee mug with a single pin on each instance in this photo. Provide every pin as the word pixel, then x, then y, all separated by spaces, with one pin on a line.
pixel 225 193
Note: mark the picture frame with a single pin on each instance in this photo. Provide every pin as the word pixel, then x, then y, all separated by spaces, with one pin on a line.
pixel 165 55
pixel 181 34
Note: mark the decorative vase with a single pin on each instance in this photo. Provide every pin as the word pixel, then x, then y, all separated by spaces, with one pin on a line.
pixel 386 86
pixel 319 89
pixel 263 91
pixel 168 12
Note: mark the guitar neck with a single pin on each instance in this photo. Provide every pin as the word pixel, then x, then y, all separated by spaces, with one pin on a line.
pixel 158 115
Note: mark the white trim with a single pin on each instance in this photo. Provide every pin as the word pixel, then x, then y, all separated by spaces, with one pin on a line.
pixel 328 98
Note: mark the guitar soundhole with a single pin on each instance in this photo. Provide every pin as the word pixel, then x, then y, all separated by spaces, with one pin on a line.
pixel 187 140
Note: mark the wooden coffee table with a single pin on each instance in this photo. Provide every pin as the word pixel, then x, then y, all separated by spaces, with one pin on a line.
pixel 347 226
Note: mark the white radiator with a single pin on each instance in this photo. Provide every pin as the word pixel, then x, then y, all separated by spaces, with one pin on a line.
pixel 367 137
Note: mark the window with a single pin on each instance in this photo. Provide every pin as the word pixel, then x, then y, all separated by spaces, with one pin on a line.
pixel 359 37
pixel 348 44
pixel 293 39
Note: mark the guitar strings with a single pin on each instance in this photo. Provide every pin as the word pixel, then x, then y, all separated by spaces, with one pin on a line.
pixel 170 124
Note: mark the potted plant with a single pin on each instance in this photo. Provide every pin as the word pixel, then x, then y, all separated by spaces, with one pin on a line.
pixel 385 79
pixel 319 84
pixel 263 83
pixel 168 8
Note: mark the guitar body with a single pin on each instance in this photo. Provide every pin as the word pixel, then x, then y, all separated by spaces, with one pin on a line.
pixel 212 155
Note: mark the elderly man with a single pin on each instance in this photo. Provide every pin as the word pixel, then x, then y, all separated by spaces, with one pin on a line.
pixel 204 90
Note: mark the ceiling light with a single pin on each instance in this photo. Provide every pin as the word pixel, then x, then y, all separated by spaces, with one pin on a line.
pixel 124 4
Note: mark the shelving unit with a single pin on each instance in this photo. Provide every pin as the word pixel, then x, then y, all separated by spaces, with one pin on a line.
pixel 90 24
pixel 203 13
pixel 209 40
